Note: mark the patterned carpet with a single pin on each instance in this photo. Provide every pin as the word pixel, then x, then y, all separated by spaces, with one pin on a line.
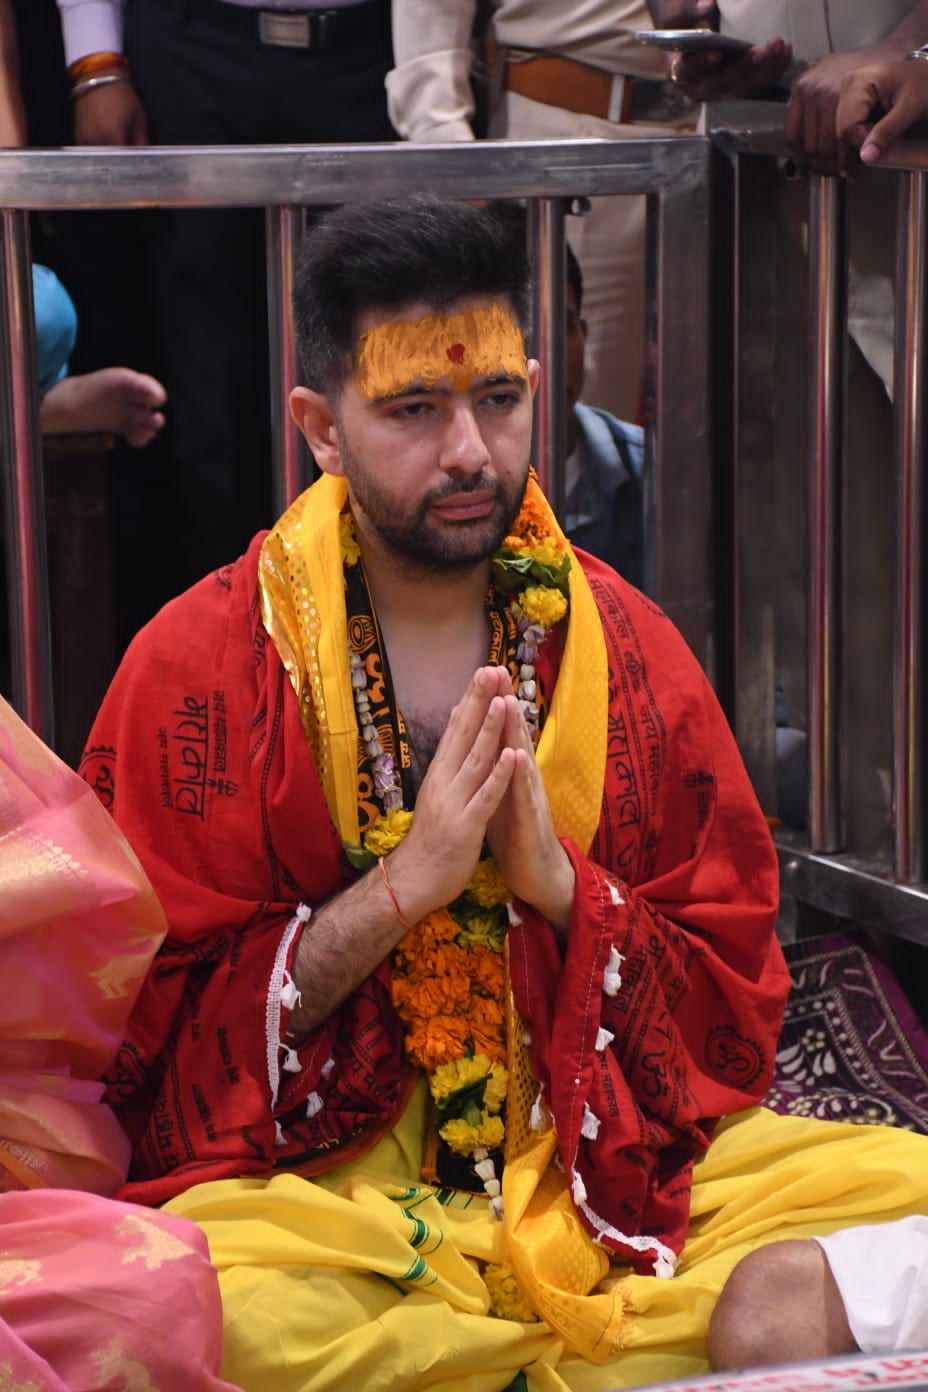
pixel 852 1047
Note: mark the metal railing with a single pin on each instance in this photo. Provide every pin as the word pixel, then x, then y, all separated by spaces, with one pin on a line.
pixel 707 507
pixel 826 868
pixel 286 179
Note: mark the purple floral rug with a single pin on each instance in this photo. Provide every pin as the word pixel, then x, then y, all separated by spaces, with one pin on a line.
pixel 852 1047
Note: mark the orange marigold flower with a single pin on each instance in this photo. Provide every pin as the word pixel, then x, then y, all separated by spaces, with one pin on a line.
pixel 435 929
pixel 438 1040
pixel 486 971
pixel 435 995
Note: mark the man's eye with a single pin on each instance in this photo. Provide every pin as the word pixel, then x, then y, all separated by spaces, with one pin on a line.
pixel 501 400
pixel 409 410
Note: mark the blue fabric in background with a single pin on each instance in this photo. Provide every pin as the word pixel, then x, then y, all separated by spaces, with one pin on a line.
pixel 55 326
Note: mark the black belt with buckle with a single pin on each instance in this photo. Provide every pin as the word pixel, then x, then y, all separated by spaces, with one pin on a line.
pixel 320 30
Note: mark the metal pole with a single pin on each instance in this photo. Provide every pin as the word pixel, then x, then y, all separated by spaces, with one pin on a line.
pixel 547 248
pixel 289 454
pixel 909 448
pixel 680 494
pixel 24 492
pixel 828 322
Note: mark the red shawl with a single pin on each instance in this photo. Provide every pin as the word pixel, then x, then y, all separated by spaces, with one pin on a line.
pixel 662 1016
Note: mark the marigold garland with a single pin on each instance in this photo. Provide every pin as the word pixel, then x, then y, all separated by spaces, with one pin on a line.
pixel 506 1298
pixel 448 972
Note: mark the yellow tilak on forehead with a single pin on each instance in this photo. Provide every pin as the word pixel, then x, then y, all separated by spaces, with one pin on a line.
pixel 460 347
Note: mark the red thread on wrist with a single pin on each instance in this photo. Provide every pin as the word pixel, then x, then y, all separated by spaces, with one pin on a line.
pixel 389 888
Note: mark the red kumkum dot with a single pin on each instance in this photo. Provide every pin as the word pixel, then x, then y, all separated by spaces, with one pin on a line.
pixel 456 352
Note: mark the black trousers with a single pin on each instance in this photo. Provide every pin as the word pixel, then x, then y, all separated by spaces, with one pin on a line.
pixel 203 82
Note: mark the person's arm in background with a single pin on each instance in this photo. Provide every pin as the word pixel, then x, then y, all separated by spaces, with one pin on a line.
pixel 812 113
pixel 714 75
pixel 12 114
pixel 106 112
pixel 877 104
pixel 429 90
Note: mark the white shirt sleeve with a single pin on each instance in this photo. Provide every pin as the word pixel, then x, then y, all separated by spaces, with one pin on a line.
pixel 90 26
pixel 429 92
pixel 882 1273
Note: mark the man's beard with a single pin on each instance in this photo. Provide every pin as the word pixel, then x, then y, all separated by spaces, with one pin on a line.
pixel 419 537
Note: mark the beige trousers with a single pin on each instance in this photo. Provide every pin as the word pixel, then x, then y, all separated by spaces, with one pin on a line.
pixel 609 242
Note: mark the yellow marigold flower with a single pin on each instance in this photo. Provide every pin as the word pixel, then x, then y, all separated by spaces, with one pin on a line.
pixel 482 931
pixel 542 605
pixel 464 1139
pixel 549 552
pixel 487 885
pixel 384 835
pixel 506 1298
pixel 495 1096
pixel 349 542
pixel 451 1077
pixel 490 1132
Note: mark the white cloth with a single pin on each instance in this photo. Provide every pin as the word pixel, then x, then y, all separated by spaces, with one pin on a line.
pixel 90 26
pixel 430 98
pixel 882 1273
pixel 609 243
pixel 429 89
pixel 813 27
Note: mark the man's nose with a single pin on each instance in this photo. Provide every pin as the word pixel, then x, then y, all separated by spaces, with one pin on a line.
pixel 464 449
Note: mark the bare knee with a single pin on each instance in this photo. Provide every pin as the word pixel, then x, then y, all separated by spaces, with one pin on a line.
pixel 779 1305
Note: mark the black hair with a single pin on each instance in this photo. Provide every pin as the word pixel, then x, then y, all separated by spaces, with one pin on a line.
pixel 382 256
pixel 575 277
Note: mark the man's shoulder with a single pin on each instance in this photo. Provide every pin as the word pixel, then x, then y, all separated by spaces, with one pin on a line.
pixel 609 587
pixel 626 437
pixel 624 607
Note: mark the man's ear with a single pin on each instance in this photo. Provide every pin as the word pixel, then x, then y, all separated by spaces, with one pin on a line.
pixel 314 418
pixel 533 373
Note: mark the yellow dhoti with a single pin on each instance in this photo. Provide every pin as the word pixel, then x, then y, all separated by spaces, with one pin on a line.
pixel 363 1280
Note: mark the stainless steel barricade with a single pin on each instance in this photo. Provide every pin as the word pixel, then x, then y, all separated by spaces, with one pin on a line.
pixel 757 522
pixel 829 531
pixel 286 179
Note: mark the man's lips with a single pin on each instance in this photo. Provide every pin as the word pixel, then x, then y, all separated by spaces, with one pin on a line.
pixel 460 507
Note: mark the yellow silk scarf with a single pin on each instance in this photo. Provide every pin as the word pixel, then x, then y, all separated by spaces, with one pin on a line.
pixel 303 609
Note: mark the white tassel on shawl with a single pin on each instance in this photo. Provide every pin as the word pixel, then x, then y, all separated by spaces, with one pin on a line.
pixel 578 1189
pixel 590 1127
pixel 279 1137
pixel 327 1067
pixel 664 1268
pixel 289 994
pixel 291 1063
pixel 512 914
pixel 614 895
pixel 612 981
pixel 604 1038
pixel 313 1105
pixel 540 1119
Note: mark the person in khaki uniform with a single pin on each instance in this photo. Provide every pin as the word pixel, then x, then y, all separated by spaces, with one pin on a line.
pixel 557 71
